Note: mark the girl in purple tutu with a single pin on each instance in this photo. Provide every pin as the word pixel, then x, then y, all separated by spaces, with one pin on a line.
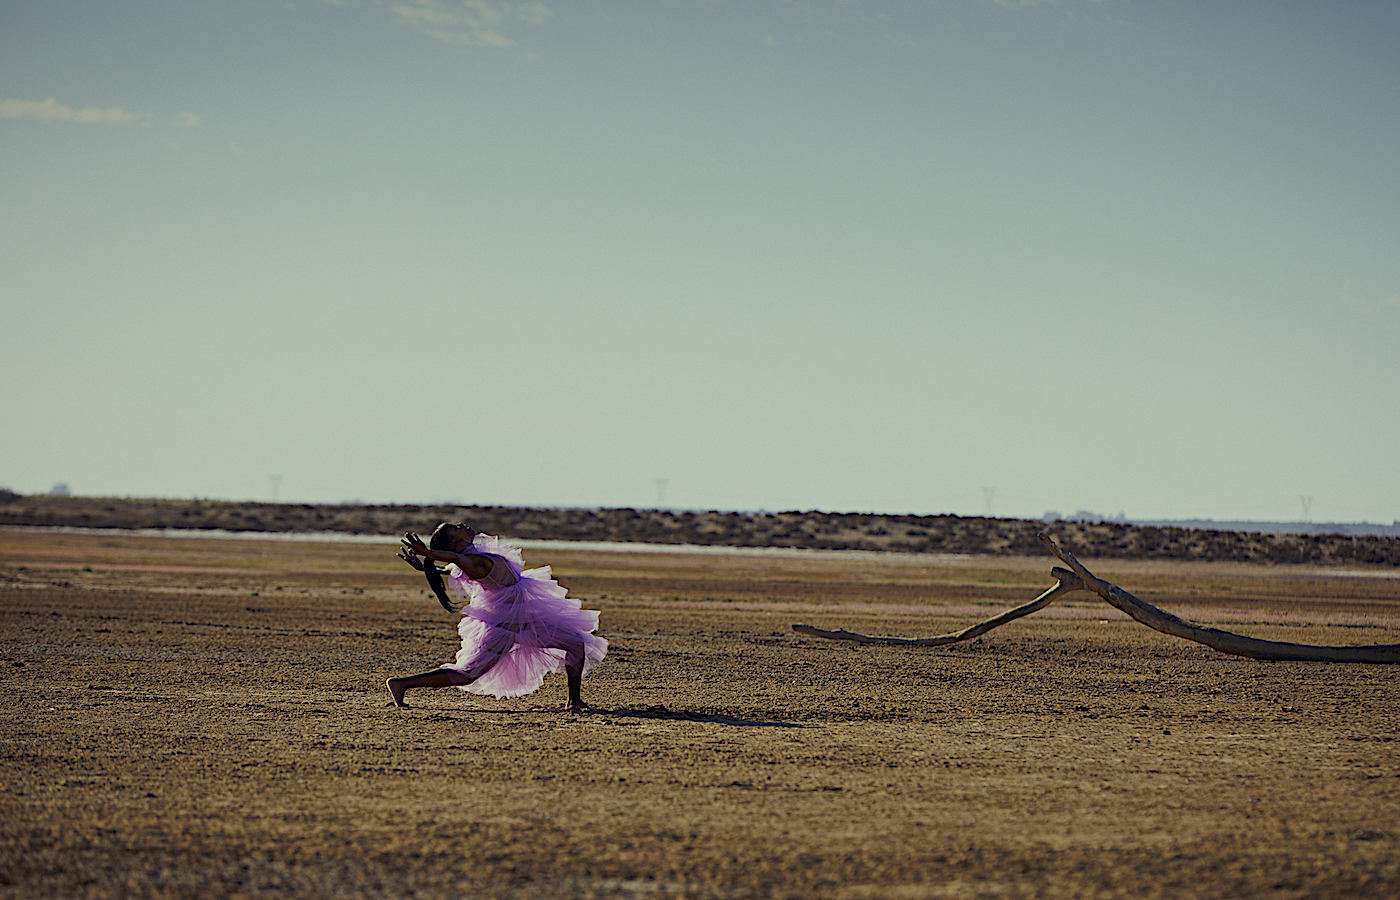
pixel 517 624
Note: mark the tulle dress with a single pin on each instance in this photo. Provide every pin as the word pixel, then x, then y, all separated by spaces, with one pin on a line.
pixel 517 624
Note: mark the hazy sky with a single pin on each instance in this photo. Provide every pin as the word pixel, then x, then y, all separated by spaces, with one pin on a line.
pixel 823 254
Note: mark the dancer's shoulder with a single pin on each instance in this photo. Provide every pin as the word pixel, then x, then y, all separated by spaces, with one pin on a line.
pixel 490 545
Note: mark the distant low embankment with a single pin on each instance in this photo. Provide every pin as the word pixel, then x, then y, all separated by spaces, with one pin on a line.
pixel 809 530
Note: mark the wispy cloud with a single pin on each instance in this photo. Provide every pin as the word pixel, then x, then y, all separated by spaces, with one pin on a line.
pixel 476 23
pixel 901 41
pixel 1369 305
pixel 51 110
pixel 1027 4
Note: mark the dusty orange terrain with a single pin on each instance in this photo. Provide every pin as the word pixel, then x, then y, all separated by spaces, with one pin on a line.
pixel 206 718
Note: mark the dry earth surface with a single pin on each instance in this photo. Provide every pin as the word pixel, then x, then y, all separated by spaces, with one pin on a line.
pixel 206 718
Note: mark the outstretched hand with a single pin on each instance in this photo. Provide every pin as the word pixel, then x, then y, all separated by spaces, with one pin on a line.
pixel 412 546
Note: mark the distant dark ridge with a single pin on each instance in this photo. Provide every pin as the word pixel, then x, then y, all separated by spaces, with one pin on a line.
pixel 1354 528
pixel 809 530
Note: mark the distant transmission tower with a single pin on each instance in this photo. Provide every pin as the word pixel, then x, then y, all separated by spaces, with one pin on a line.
pixel 661 492
pixel 988 492
pixel 1307 506
pixel 276 481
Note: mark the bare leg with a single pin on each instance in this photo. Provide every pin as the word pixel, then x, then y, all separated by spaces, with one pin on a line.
pixel 573 670
pixel 486 656
pixel 576 703
pixel 482 663
pixel 432 678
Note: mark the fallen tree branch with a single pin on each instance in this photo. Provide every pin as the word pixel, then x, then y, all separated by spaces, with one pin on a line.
pixel 1080 578
pixel 1223 641
pixel 1068 581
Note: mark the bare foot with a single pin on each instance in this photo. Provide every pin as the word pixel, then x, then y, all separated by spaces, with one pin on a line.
pixel 396 689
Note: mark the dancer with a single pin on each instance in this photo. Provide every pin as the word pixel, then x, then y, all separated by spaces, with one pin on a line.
pixel 516 625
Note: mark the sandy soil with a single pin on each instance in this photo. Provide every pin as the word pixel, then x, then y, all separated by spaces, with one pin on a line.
pixel 206 718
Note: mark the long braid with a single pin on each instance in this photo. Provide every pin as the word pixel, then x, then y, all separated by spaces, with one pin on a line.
pixel 434 576
pixel 439 541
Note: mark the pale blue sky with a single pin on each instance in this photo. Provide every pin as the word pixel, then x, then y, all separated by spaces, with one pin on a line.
pixel 852 256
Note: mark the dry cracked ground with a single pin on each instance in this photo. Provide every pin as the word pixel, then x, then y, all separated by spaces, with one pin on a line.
pixel 206 718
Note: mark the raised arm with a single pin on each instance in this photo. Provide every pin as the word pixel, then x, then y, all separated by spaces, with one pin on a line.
pixel 473 565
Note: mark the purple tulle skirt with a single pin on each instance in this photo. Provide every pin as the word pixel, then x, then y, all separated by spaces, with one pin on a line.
pixel 518 625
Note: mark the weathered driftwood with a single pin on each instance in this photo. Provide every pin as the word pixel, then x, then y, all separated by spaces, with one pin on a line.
pixel 1068 581
pixel 1078 578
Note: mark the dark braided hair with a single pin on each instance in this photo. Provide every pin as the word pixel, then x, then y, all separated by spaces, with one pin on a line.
pixel 434 576
pixel 440 541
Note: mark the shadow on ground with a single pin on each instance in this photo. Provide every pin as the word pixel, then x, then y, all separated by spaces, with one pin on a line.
pixel 680 715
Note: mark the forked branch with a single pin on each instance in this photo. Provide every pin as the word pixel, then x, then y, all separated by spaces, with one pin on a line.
pixel 1078 578
pixel 1067 581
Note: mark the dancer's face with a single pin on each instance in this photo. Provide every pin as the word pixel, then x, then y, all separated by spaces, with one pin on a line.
pixel 462 538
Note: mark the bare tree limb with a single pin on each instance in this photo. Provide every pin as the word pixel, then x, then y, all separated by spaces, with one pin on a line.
pixel 1080 578
pixel 1223 641
pixel 1068 581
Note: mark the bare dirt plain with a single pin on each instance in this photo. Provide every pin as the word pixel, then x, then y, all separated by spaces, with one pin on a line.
pixel 206 718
